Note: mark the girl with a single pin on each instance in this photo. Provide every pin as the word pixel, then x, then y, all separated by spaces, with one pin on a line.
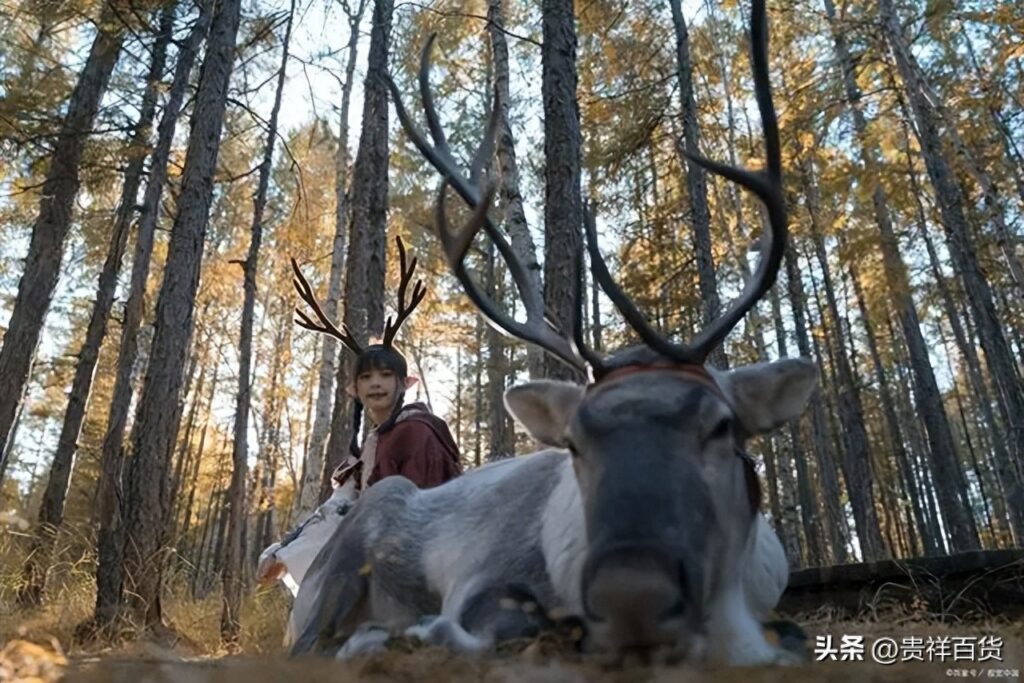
pixel 405 439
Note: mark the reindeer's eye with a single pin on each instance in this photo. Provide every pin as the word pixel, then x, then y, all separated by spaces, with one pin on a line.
pixel 721 430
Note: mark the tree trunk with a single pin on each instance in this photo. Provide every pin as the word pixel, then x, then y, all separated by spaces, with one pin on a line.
pixel 230 619
pixel 696 181
pixel 271 438
pixel 309 496
pixel 502 443
pixel 51 510
pixel 857 459
pixel 478 394
pixel 202 558
pixel 983 494
pixel 892 420
pixel 364 280
pixel 823 426
pixel 920 462
pixel 788 454
pixel 199 557
pixel 997 353
pixel 563 211
pixel 184 453
pixel 6 451
pixel 109 545
pixel 219 541
pixel 963 340
pixel 193 474
pixel 458 398
pixel 819 439
pixel 193 478
pixel 508 169
pixel 57 198
pixel 950 200
pixel 159 412
pixel 926 392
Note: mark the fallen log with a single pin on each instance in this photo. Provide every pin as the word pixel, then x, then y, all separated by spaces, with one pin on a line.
pixel 981 583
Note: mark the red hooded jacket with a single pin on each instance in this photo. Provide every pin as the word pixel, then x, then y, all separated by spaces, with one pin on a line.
pixel 418 447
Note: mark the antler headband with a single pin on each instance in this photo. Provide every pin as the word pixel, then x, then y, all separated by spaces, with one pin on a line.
pixel 323 324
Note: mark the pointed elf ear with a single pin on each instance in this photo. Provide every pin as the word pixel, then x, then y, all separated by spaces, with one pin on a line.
pixel 410 382
pixel 350 389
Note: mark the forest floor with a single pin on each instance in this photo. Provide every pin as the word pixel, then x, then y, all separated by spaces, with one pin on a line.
pixel 40 648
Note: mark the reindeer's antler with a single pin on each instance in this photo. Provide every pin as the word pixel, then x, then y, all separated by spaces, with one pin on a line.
pixel 324 326
pixel 418 292
pixel 765 184
pixel 537 328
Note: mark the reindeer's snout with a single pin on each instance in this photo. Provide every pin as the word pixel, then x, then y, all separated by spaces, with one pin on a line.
pixel 637 597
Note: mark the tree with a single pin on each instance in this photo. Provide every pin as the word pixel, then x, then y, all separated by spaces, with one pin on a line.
pixel 563 207
pixel 57 197
pixel 159 412
pixel 926 392
pixel 950 200
pixel 857 468
pixel 230 621
pixel 51 512
pixel 508 169
pixel 700 215
pixel 364 280
pixel 313 466
pixel 109 544
pixel 831 521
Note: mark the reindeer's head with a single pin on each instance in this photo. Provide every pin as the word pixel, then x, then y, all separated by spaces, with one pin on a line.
pixel 669 494
pixel 657 438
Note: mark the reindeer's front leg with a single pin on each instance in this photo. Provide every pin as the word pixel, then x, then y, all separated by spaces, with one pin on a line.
pixel 350 584
pixel 755 585
pixel 734 636
pixel 492 615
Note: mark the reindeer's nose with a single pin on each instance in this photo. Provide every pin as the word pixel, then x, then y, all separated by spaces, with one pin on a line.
pixel 637 594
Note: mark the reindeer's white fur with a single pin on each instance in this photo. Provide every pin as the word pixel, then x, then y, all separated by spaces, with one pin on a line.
pixel 767 572
pixel 564 539
pixel 753 588
pixel 442 566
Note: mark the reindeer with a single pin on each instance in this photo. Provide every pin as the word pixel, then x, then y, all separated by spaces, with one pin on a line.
pixel 642 514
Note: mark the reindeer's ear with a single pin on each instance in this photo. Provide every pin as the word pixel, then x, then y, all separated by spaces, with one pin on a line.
pixel 543 408
pixel 767 395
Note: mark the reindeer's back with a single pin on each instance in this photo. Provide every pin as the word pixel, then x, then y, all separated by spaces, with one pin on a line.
pixel 481 528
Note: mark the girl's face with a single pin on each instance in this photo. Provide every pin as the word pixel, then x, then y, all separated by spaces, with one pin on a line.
pixel 377 389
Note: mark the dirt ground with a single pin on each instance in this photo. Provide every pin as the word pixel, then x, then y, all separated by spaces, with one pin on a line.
pixel 437 667
pixel 541 660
